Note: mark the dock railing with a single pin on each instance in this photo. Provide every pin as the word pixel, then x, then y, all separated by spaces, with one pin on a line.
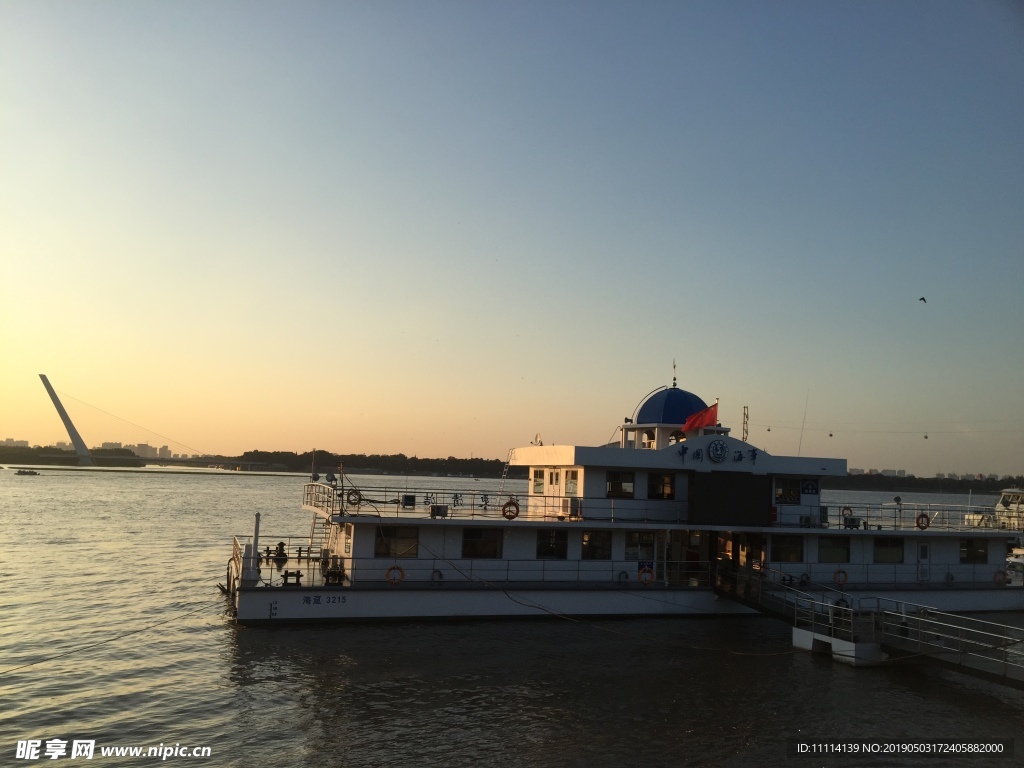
pixel 900 627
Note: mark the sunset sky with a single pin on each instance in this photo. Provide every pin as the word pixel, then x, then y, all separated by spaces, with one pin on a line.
pixel 440 228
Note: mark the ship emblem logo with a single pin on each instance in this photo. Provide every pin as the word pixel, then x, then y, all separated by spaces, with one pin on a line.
pixel 718 451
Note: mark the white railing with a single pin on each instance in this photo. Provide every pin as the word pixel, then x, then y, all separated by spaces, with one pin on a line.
pixel 902 517
pixel 890 575
pixel 426 503
pixel 298 567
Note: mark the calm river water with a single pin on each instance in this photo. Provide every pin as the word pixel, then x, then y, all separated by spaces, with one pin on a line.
pixel 118 572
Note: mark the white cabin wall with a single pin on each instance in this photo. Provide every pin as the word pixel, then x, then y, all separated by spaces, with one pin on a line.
pixel 431 543
pixel 520 544
pixel 363 537
pixel 452 542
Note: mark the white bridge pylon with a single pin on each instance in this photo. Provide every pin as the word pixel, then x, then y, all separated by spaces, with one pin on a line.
pixel 85 458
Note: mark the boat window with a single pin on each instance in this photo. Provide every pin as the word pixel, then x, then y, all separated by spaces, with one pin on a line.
pixel 640 545
pixel 787 490
pixel 552 545
pixel 597 545
pixel 833 549
pixel 538 481
pixel 973 550
pixel 787 549
pixel 661 486
pixel 481 542
pixel 648 439
pixel 348 538
pixel 619 485
pixel 554 480
pixel 889 549
pixel 572 482
pixel 396 541
pixel 676 437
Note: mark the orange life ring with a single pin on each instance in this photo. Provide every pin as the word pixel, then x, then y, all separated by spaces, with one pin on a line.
pixel 840 578
pixel 511 510
pixel 645 575
pixel 846 511
pixel 999 577
pixel 394 574
pixel 923 521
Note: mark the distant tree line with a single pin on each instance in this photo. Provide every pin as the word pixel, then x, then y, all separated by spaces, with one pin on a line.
pixel 393 464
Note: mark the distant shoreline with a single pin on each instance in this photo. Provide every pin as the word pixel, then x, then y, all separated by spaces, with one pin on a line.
pixel 265 463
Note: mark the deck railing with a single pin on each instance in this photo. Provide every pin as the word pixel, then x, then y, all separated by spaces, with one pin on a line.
pixel 425 503
pixel 314 571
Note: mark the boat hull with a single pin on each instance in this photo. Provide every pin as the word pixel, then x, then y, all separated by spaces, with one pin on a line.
pixel 259 605
pixel 296 604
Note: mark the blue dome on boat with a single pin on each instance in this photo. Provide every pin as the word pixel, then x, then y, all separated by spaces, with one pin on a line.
pixel 669 406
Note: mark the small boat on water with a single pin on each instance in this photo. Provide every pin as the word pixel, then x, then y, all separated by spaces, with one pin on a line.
pixel 26 472
pixel 675 517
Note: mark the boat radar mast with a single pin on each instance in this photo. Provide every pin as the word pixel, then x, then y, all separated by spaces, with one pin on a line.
pixel 85 458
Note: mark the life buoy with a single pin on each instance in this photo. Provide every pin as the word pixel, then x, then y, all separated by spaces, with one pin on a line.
pixel 847 511
pixel 355 497
pixel 840 578
pixel 923 521
pixel 645 575
pixel 999 577
pixel 437 577
pixel 394 574
pixel 511 510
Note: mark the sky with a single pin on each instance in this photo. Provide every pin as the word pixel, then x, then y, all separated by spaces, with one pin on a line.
pixel 442 228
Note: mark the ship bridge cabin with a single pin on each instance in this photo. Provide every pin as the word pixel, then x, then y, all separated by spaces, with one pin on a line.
pixel 674 463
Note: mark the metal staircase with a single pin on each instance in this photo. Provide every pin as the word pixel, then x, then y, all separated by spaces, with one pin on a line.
pixel 319 535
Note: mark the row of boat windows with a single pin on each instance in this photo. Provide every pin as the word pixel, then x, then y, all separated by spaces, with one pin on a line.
pixel 486 543
pixel 621 484
pixel 887 549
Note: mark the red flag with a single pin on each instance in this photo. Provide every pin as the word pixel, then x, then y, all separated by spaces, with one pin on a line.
pixel 706 418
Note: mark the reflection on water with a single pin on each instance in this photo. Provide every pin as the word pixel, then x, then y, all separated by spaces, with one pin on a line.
pixel 94 556
pixel 606 693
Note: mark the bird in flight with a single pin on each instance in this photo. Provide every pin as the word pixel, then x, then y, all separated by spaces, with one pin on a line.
pixel 923 299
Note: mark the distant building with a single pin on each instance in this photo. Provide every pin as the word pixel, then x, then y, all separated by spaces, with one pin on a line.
pixel 15 443
pixel 164 452
pixel 143 451
pixel 855 471
pixel 111 446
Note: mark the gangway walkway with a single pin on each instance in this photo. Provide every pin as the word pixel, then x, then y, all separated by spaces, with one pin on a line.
pixel 870 630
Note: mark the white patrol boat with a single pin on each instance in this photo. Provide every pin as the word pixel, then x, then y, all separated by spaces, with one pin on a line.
pixel 675 518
